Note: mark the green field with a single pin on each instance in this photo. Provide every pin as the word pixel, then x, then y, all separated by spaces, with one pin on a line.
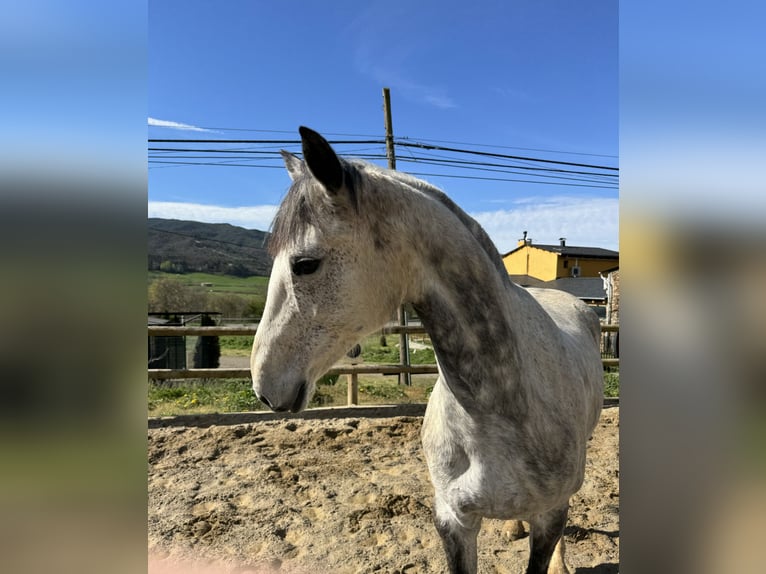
pixel 255 285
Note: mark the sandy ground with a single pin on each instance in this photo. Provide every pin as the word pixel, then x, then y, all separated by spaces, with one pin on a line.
pixel 336 494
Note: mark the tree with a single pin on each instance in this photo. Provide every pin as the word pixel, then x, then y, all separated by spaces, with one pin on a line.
pixel 166 266
pixel 172 267
pixel 169 294
pixel 228 304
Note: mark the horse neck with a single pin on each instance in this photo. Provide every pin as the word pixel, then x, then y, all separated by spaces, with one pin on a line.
pixel 464 301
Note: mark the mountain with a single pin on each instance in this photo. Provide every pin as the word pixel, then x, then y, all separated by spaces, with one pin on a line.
pixel 189 246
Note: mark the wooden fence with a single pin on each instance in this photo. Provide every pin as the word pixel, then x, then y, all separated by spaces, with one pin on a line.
pixel 352 371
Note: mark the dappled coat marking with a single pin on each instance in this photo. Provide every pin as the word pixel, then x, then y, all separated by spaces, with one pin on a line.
pixel 520 378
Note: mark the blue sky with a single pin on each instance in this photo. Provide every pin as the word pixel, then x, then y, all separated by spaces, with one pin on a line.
pixel 531 79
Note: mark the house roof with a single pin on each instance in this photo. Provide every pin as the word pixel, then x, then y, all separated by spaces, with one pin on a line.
pixel 586 288
pixel 591 288
pixel 573 251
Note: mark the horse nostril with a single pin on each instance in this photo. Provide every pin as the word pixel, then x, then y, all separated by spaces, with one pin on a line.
pixel 267 402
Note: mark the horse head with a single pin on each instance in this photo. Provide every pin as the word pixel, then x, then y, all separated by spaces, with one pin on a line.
pixel 328 286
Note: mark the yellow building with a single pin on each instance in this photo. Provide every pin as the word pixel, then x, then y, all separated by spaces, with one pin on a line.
pixel 550 262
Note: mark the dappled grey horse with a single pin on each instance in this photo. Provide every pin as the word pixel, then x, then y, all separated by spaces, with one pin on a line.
pixel 520 378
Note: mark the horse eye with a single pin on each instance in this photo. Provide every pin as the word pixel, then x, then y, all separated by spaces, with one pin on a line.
pixel 306 266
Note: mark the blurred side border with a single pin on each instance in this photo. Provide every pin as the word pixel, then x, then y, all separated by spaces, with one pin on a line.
pixel 72 294
pixel 693 254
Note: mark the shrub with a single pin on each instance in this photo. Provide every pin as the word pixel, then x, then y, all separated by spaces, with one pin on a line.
pixel 612 384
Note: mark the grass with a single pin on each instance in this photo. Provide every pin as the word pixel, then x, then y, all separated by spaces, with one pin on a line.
pixel 169 398
pixel 376 390
pixel 254 285
pixel 236 345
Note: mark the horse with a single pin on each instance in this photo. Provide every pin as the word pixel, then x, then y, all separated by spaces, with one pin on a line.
pixel 520 384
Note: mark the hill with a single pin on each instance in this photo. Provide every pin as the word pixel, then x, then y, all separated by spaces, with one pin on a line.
pixel 189 246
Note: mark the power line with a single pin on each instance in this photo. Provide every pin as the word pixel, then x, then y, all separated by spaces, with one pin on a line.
pixel 513 147
pixel 220 163
pixel 472 166
pixel 446 160
pixel 259 156
pixel 398 142
pixel 255 153
pixel 240 141
pixel 432 157
pixel 443 175
pixel 476 177
pixel 407 138
pixel 506 156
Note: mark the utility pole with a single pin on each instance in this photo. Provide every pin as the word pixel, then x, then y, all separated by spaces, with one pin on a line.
pixel 389 129
pixel 404 347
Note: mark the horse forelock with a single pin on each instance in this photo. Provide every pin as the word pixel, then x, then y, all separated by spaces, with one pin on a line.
pixel 305 205
pixel 295 214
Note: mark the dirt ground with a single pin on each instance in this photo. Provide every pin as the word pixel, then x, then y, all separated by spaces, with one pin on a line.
pixel 336 493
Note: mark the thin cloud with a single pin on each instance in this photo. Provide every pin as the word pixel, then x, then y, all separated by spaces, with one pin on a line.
pixel 514 94
pixel 382 50
pixel 440 101
pixel 435 96
pixel 588 222
pixel 250 217
pixel 175 125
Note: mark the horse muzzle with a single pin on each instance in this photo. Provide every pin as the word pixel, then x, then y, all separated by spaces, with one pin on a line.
pixel 294 403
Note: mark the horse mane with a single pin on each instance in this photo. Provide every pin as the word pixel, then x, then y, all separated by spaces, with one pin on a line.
pixel 469 222
pixel 297 212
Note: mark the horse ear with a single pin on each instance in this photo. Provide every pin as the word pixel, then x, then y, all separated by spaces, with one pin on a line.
pixel 294 164
pixel 321 160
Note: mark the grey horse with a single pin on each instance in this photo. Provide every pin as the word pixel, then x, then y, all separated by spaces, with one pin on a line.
pixel 520 384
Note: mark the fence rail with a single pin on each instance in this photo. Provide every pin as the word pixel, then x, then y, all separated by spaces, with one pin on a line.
pixel 352 371
pixel 244 330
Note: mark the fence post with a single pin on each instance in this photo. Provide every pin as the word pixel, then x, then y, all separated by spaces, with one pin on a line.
pixel 352 390
pixel 404 348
